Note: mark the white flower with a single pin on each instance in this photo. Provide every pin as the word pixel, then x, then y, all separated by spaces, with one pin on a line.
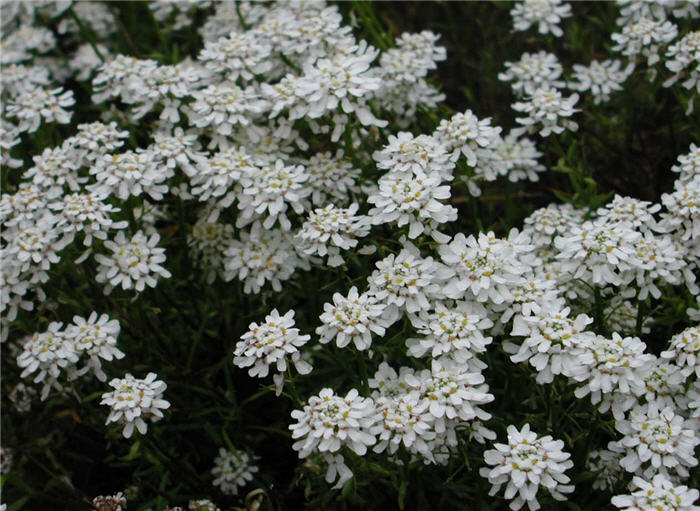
pixel 97 338
pixel 339 81
pixel 178 149
pixel 241 54
pixel 130 173
pixel 644 38
pixel 96 139
pixel 601 78
pixel 54 169
pixel 659 493
pixel 273 342
pixel 607 465
pixel 631 211
pixel 664 385
pixel 552 221
pixel 329 422
pixel 134 262
pixel 259 256
pixel 688 166
pixel 552 339
pixel 86 213
pixel 683 210
pixel 683 58
pixel 483 268
pixel 615 372
pixel 233 470
pixel 135 401
pixel 47 353
pixel 452 391
pixel 208 242
pixel 337 468
pixel 18 78
pixel 331 178
pixel 413 200
pixel 114 76
pixel 659 261
pixel 353 319
pixel 547 111
pixel 457 331
pixel 215 177
pixel 32 106
pixel 545 14
pixel 33 247
pixel 272 189
pixel 598 252
pixel 421 155
pixel 532 71
pixel 329 230
pixel 221 107
pixel 657 441
pixel 6 458
pixel 465 134
pixel 519 157
pixel 405 280
pixel 403 419
pixel 684 351
pixel 525 464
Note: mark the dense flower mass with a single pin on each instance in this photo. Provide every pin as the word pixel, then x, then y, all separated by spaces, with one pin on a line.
pixel 466 233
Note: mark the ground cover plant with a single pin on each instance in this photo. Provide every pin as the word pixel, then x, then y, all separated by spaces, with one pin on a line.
pixel 298 255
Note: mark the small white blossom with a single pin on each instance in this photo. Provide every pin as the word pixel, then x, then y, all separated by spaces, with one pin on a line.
pixel 413 200
pixel 615 373
pixel 130 174
pixel 271 190
pixel 272 343
pixel 404 281
pixel 48 354
pixel 353 319
pixel 644 38
pixel 32 106
pixel 329 230
pixel 96 337
pixel 600 78
pixel 233 470
pixel 684 351
pixel 135 401
pixel 259 256
pixel 457 331
pixel 547 111
pixel 657 441
pixel 134 262
pixel 532 71
pixel 544 14
pixel 607 466
pixel 525 464
pixel 658 493
pixel 329 422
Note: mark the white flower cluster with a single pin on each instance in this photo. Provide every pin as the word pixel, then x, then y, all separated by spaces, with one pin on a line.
pixel 274 342
pixel 58 350
pixel 232 470
pixel 658 493
pixel 526 463
pixel 135 401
